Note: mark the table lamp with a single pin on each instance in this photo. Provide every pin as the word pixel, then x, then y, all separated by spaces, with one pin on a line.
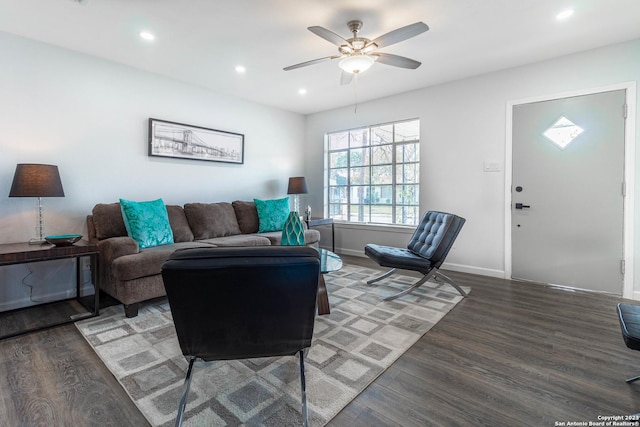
pixel 297 185
pixel 36 180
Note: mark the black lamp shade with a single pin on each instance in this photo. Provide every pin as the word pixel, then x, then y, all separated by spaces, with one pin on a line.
pixel 297 185
pixel 36 180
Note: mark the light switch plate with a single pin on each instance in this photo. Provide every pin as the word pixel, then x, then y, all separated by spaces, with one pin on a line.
pixel 491 166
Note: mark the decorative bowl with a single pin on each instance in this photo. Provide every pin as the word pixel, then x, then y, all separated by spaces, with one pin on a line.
pixel 63 239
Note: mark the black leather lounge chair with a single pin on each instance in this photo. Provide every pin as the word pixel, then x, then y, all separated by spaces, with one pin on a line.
pixel 629 316
pixel 425 252
pixel 242 302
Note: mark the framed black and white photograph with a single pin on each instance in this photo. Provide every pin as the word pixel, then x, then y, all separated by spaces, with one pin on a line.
pixel 178 140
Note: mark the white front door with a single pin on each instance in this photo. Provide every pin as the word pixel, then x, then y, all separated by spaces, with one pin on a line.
pixel 567 191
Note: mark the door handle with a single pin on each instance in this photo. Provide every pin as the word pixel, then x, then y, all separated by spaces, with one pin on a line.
pixel 521 206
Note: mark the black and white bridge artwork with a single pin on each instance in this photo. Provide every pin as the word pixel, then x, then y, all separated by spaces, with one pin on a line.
pixel 170 139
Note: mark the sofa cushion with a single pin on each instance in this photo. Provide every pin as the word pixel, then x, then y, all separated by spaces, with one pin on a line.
pixel 239 240
pixel 272 214
pixel 209 220
pixel 247 216
pixel 147 222
pixel 311 237
pixel 107 220
pixel 179 224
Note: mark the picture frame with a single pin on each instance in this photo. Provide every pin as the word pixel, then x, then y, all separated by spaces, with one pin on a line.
pixel 183 141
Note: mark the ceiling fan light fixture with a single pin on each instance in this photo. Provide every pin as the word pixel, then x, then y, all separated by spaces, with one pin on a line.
pixel 346 49
pixel 370 47
pixel 356 63
pixel 358 44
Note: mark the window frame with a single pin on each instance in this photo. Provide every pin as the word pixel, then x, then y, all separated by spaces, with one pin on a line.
pixel 366 143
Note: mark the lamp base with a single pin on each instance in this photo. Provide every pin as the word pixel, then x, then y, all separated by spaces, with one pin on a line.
pixel 37 241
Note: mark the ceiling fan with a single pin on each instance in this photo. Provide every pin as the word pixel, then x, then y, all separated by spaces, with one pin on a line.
pixel 358 54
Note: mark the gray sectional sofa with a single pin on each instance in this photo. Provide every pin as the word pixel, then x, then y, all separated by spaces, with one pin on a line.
pixel 132 275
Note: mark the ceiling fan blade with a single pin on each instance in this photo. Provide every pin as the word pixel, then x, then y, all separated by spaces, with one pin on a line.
pixel 313 61
pixel 396 60
pixel 345 78
pixel 400 34
pixel 329 36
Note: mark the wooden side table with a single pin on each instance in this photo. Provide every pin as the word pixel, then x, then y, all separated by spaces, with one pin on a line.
pixel 22 253
pixel 316 222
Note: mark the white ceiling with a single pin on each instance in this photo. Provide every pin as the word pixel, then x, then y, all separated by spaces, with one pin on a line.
pixel 201 41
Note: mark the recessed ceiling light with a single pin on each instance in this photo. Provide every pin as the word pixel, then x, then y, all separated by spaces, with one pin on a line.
pixel 564 14
pixel 302 91
pixel 146 35
pixel 240 69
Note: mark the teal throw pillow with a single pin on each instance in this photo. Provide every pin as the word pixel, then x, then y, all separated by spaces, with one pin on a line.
pixel 147 222
pixel 271 214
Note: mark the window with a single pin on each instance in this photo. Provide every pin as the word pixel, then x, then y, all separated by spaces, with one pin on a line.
pixel 374 174
pixel 563 132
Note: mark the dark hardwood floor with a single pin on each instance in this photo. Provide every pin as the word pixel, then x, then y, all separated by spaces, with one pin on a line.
pixel 510 354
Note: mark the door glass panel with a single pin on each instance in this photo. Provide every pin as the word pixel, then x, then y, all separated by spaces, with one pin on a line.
pixel 562 132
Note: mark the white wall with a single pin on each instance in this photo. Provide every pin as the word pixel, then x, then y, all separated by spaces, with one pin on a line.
pixel 463 124
pixel 90 117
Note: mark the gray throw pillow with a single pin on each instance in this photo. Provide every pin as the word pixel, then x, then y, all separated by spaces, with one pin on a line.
pixel 208 220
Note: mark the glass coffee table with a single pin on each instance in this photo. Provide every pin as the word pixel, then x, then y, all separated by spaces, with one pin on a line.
pixel 329 262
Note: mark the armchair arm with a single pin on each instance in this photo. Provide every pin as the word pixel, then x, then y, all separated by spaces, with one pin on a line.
pixel 115 247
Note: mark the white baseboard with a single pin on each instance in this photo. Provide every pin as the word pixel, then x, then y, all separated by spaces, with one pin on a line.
pixel 446 266
pixel 351 252
pixel 473 270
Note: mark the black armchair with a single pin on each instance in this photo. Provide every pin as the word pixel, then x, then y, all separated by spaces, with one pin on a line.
pixel 242 302
pixel 629 317
pixel 425 252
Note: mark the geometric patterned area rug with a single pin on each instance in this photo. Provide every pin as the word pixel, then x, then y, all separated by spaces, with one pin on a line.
pixel 351 347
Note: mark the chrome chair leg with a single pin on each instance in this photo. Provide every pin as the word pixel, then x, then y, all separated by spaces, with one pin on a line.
pixel 411 288
pixel 446 279
pixel 382 276
pixel 303 387
pixel 433 273
pixel 183 400
pixel 632 379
